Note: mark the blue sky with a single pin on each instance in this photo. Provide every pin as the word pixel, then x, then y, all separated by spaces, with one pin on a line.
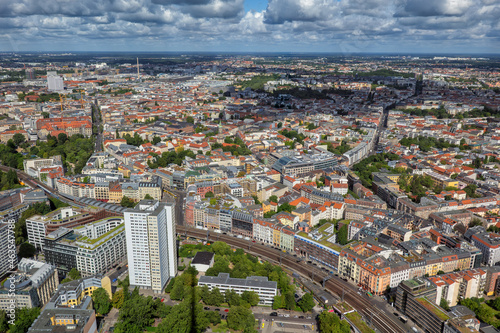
pixel 346 26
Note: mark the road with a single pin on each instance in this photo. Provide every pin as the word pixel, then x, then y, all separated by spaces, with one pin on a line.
pixel 97 122
pixel 370 310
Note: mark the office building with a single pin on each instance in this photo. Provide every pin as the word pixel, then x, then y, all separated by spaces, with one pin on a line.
pixel 151 244
pixel 417 299
pixel 259 284
pixel 70 309
pixel 31 286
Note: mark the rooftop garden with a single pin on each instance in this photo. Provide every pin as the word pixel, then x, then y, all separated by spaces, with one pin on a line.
pixel 94 241
pixel 357 321
pixel 433 308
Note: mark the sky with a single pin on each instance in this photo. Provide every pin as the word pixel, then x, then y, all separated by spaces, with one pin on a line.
pixel 331 26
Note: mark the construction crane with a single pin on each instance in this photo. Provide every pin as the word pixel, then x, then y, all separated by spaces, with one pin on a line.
pixel 61 98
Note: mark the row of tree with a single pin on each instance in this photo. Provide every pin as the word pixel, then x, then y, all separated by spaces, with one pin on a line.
pixel 168 158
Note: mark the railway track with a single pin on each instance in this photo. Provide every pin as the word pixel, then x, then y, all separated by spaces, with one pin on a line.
pixel 370 311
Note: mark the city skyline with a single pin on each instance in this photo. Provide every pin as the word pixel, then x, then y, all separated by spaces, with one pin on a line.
pixel 344 26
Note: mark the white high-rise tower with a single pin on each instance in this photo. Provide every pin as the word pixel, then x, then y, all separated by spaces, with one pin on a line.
pixel 151 244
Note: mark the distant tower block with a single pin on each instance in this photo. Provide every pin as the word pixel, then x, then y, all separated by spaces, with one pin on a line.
pixel 30 74
pixel 54 82
pixel 138 75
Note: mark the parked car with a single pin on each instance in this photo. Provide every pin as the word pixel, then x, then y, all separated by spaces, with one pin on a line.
pixel 206 308
pixel 286 315
pixel 273 314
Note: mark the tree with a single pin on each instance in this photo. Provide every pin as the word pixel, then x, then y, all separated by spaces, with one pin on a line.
pixel 251 297
pixel 232 298
pixel 277 302
pixel 4 321
pixel 329 322
pixel 45 115
pixel 440 272
pixel 475 222
pixel 471 190
pixel 127 202
pixel 215 297
pixel 102 303
pixel 148 197
pixel 306 303
pixel 444 304
pixel 156 140
pixel 177 292
pixel 209 194
pixel 273 198
pixel 74 274
pixel 190 119
pixel 280 124
pixel 342 238
pixel 213 201
pixel 18 139
pixel 118 299
pixel 24 318
pixel 289 301
pixel 26 250
pixel 62 138
pixel 136 314
pixel 240 318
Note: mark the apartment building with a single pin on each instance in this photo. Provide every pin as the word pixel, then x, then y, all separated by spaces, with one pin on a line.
pixel 151 244
pixel 460 285
pixel 258 284
pixel 489 244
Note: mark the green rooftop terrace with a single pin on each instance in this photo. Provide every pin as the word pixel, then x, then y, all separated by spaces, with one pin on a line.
pixel 433 308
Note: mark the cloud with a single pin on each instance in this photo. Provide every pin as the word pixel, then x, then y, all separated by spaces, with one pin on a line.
pixel 434 8
pixel 291 25
pixel 281 11
pixel 217 8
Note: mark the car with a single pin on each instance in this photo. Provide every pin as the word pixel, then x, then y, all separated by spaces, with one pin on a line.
pixel 286 315
pixel 280 315
pixel 253 241
pixel 301 317
pixel 162 299
pixel 309 317
pixel 273 314
pixel 118 268
pixel 295 316
pixel 155 297
pixel 114 280
pixel 206 308
pixel 217 309
pixel 305 326
pixel 396 314
pixel 226 310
